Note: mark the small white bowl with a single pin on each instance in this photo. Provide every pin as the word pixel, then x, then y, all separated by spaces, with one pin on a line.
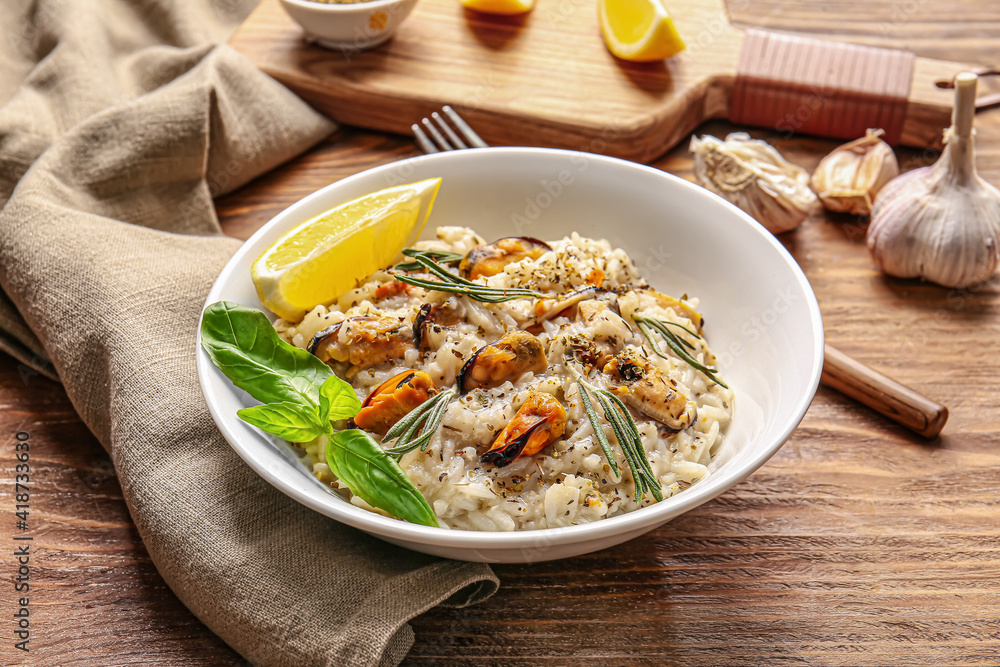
pixel 762 319
pixel 349 27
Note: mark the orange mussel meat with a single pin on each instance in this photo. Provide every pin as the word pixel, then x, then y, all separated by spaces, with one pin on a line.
pixel 370 341
pixel 539 423
pixel 393 399
pixel 508 358
pixel 489 260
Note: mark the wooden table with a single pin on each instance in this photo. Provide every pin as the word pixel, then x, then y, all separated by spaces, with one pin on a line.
pixel 857 544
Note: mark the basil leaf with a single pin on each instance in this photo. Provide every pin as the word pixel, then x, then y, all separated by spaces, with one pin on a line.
pixel 244 346
pixel 302 397
pixel 289 421
pixel 337 400
pixel 375 477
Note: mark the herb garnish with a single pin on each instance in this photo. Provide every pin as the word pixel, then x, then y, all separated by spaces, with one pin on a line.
pixel 626 433
pixel 360 463
pixel 439 256
pixel 455 284
pixel 302 399
pixel 425 420
pixel 648 326
pixel 595 425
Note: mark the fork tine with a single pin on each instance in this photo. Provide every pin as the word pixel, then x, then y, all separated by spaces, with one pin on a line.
pixel 463 127
pixel 452 137
pixel 425 143
pixel 438 138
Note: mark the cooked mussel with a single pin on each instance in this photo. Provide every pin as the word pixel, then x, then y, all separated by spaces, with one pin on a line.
pixel 394 399
pixel 680 307
pixel 643 387
pixel 369 341
pixel 537 424
pixel 515 354
pixel 570 304
pixel 428 317
pixel 489 260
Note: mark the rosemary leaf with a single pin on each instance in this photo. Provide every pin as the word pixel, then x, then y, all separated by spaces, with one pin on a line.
pixel 433 422
pixel 647 333
pixel 682 328
pixel 413 429
pixel 625 442
pixel 640 450
pixel 595 424
pixel 427 421
pixel 626 433
pixel 397 452
pixel 456 284
pixel 410 418
pixel 440 256
pixel 631 443
pixel 676 345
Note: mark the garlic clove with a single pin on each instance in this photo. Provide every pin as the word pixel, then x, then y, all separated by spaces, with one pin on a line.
pixel 752 175
pixel 848 179
pixel 941 223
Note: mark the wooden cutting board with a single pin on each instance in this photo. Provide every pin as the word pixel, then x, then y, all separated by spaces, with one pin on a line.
pixel 542 79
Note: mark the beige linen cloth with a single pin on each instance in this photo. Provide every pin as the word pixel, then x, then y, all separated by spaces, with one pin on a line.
pixel 119 121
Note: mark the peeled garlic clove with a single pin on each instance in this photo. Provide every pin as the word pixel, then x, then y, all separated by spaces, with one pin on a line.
pixel 848 179
pixel 754 176
pixel 941 223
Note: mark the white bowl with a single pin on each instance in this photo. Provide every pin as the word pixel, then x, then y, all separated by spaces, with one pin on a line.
pixel 349 27
pixel 761 317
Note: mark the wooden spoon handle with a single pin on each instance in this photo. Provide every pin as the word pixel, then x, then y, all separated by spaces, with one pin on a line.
pixel 882 394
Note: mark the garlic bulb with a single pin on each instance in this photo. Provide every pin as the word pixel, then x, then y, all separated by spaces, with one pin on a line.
pixel 754 176
pixel 942 222
pixel 848 179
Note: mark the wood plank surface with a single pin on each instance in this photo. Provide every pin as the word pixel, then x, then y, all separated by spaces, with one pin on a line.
pixel 857 544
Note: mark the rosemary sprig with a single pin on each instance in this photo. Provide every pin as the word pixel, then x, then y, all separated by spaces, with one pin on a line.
pixel 648 326
pixel 631 442
pixel 425 420
pixel 439 256
pixel 626 433
pixel 680 340
pixel 595 424
pixel 457 285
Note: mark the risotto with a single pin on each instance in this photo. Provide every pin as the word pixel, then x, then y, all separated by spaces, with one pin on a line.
pixel 516 447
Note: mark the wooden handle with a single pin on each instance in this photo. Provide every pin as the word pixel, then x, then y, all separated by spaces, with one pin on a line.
pixel 837 89
pixel 882 394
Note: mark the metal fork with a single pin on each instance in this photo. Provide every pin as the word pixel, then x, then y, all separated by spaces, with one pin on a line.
pixel 450 139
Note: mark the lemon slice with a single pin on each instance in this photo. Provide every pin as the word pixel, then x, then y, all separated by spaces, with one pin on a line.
pixel 324 257
pixel 638 30
pixel 500 6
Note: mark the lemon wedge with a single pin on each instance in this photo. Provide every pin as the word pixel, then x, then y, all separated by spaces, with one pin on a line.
pixel 506 7
pixel 324 257
pixel 638 30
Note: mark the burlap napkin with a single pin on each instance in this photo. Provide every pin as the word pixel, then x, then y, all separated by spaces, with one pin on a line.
pixel 119 120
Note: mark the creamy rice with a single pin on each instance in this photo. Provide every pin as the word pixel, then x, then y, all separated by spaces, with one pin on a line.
pixel 568 482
